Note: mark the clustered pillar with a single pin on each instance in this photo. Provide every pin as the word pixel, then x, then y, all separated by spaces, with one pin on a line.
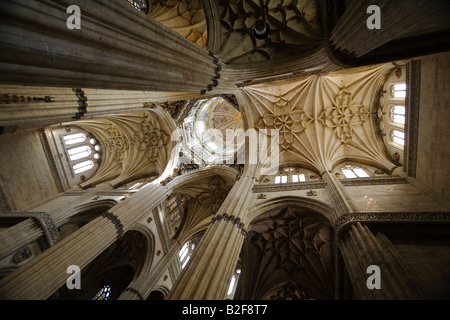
pixel 116 47
pixel 360 248
pixel 45 274
pixel 208 274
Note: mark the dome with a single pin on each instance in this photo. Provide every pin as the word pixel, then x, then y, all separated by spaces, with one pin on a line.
pixel 207 127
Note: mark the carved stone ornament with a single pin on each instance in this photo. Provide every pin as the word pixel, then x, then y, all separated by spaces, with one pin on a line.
pixel 345 221
pixel 43 220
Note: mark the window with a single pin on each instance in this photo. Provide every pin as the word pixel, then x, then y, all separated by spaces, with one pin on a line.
pixel 351 172
pixel 175 209
pixel 103 294
pixel 74 138
pixel 185 253
pixel 140 5
pixel 83 151
pixel 298 177
pixel 281 179
pixel 79 152
pixel 233 283
pixel 398 137
pixel 398 90
pixel 398 114
pixel 83 166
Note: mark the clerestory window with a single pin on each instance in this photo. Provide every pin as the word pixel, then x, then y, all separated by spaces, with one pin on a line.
pixel 351 172
pixel 83 151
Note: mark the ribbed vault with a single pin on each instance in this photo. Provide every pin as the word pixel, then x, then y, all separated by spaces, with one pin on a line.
pixel 135 145
pixel 205 193
pixel 321 119
pixel 287 255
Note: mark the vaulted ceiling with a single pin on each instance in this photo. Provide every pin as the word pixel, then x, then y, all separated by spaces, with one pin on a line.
pixel 321 119
pixel 135 145
pixel 294 44
pixel 204 193
pixel 287 254
pixel 185 17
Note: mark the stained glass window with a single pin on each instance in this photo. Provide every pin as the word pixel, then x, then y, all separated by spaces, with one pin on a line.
pixel 140 5
pixel 103 294
pixel 175 209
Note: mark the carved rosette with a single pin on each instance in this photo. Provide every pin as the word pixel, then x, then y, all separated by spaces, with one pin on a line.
pixel 344 115
pixel 286 120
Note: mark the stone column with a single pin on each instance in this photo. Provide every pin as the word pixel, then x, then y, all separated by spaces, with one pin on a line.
pixel 142 287
pixel 341 202
pixel 30 106
pixel 42 276
pixel 208 274
pixel 19 235
pixel 399 20
pixel 360 248
pixel 116 47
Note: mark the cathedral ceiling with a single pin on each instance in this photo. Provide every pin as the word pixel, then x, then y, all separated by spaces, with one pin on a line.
pixel 135 145
pixel 294 30
pixel 294 44
pixel 205 130
pixel 321 119
pixel 205 196
pixel 185 17
pixel 287 254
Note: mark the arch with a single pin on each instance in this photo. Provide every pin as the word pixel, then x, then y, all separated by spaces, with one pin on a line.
pixel 159 290
pixel 156 295
pixel 147 263
pixel 310 173
pixel 391 113
pixel 363 162
pixel 84 214
pixel 319 207
pixel 116 267
pixel 290 240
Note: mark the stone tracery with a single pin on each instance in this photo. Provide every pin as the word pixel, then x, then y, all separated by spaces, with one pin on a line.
pixel 317 131
pixel 288 246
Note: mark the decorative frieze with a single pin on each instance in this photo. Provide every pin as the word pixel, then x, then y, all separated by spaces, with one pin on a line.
pixel 11 99
pixel 21 255
pixel 43 220
pixel 116 222
pixel 232 219
pixel 412 102
pixel 345 221
pixel 216 76
pixel 373 181
pixel 288 186
pixel 136 292
pixel 82 104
